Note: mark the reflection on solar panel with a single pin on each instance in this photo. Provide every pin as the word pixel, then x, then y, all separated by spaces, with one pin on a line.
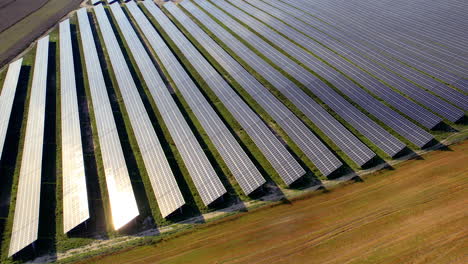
pixel 26 218
pixel 293 126
pixel 358 120
pixel 271 147
pixel 162 179
pixel 390 96
pixel 122 200
pixel 240 165
pixel 75 196
pixel 203 175
pixel 7 96
pixel 392 119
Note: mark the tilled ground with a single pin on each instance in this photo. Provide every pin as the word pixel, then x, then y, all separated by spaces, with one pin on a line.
pixel 23 21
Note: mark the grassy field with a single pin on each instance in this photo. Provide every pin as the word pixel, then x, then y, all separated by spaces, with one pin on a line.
pixel 416 214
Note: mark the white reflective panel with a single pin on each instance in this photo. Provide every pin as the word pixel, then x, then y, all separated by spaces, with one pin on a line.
pixel 162 179
pixel 26 218
pixel 7 97
pixel 122 199
pixel 75 196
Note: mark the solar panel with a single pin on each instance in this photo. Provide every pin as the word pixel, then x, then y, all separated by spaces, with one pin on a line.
pixel 7 97
pixel 358 120
pixel 202 173
pixel 239 164
pixel 293 126
pixel 314 44
pixel 26 217
pixel 162 179
pixel 392 119
pixel 75 196
pixel 122 200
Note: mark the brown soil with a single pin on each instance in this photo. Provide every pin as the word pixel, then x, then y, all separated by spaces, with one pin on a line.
pixel 35 17
pixel 12 11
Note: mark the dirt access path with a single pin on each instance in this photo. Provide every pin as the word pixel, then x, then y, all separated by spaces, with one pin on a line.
pixel 414 214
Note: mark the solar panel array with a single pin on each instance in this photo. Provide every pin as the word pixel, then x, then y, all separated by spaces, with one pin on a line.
pixel 357 151
pixel 362 62
pixel 376 63
pixel 26 218
pixel 160 174
pixel 397 122
pixel 122 199
pixel 7 97
pixel 246 174
pixel 285 164
pixel 75 196
pixel 334 17
pixel 397 40
pixel 348 112
pixel 390 96
pixel 202 173
pixel 240 165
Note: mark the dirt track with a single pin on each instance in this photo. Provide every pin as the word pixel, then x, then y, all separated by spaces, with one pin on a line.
pixel 415 214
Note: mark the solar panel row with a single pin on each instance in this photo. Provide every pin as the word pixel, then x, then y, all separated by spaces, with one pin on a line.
pixel 162 179
pixel 75 196
pixel 343 108
pixel 7 97
pixel 356 150
pixel 122 199
pixel 392 119
pixel 239 164
pixel 342 63
pixel 349 48
pixel 202 173
pixel 26 217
